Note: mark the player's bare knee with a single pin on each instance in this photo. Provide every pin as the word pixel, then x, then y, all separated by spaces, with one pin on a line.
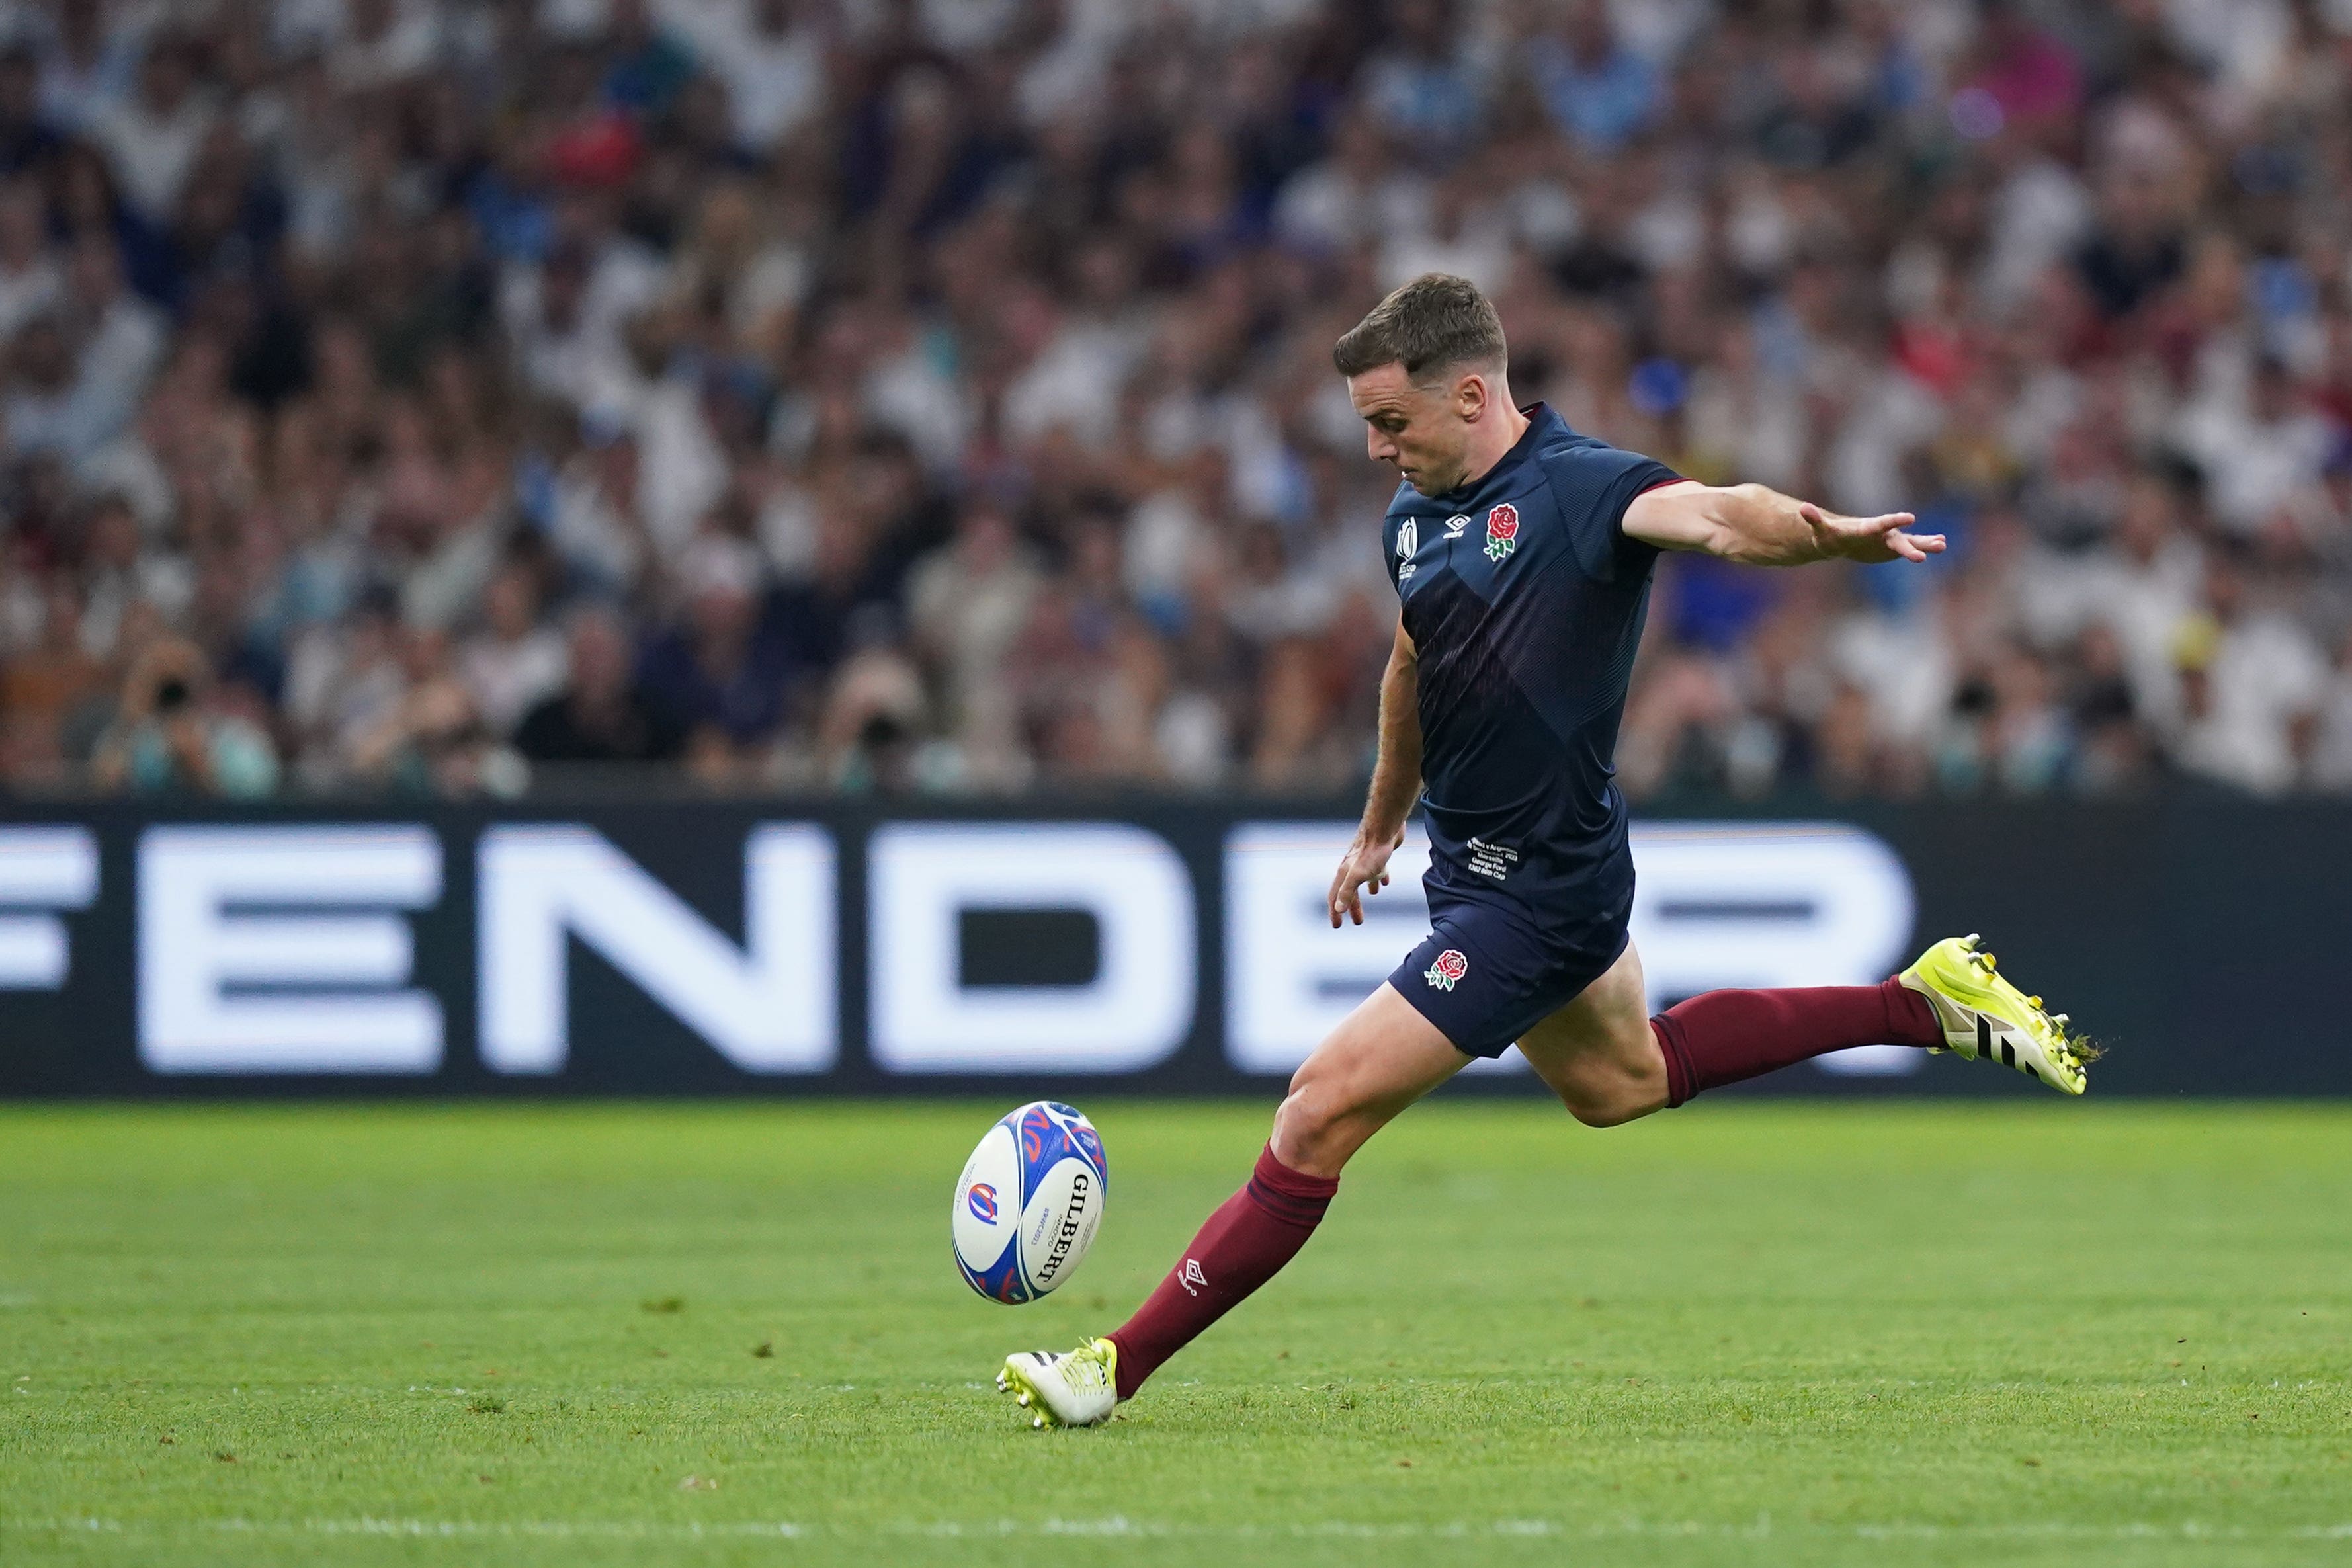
pixel 1305 1121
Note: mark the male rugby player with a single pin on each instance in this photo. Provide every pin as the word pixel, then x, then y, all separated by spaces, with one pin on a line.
pixel 1522 552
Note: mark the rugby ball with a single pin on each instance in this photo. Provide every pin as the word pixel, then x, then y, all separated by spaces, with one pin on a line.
pixel 1029 1202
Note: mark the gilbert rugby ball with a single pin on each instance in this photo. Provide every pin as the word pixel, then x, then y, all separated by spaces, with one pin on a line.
pixel 1029 1202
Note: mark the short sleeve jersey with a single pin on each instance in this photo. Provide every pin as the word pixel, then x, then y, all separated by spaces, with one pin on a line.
pixel 1525 600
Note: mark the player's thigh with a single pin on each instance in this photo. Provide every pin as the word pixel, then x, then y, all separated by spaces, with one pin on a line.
pixel 1596 1052
pixel 1382 1058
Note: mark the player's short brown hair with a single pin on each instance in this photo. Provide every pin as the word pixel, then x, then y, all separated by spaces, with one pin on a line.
pixel 1433 323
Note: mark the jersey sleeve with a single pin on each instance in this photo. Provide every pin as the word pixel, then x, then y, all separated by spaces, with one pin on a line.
pixel 1593 483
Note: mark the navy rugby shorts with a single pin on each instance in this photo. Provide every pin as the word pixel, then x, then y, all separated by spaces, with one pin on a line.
pixel 1486 973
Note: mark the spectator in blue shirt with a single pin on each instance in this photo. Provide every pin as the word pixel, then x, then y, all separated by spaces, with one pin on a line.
pixel 1598 91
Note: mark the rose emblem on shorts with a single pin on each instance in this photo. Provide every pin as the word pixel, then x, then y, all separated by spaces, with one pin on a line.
pixel 1450 966
pixel 1502 531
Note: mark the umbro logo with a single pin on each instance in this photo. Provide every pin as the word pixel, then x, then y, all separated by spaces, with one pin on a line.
pixel 1455 525
pixel 1193 1280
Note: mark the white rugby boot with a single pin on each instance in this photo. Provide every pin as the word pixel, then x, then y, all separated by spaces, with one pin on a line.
pixel 1073 1390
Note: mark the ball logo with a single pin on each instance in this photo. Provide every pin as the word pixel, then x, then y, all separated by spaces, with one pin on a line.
pixel 1073 1219
pixel 1033 1128
pixel 1450 966
pixel 981 1201
pixel 1502 531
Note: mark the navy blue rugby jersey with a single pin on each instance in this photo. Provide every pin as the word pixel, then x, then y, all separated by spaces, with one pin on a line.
pixel 1524 599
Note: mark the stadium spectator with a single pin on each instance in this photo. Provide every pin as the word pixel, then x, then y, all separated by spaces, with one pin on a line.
pixel 601 716
pixel 177 730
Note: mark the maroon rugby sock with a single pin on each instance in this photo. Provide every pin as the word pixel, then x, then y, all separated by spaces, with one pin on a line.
pixel 1722 1037
pixel 1245 1244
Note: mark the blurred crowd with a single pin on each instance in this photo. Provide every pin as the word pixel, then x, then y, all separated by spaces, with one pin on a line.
pixel 439 395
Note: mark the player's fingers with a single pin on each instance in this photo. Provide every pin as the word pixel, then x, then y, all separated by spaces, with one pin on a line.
pixel 1903 544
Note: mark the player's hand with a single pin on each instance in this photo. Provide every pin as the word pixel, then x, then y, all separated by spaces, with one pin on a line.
pixel 1867 538
pixel 1364 866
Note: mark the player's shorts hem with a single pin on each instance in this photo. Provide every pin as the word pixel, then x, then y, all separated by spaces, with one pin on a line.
pixel 1482 995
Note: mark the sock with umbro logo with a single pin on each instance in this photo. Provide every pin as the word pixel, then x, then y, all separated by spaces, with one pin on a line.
pixel 1246 1243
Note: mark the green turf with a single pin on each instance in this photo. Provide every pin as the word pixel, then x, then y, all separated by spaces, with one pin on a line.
pixel 2056 1334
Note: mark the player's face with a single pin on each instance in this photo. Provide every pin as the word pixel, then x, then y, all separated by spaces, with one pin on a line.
pixel 1419 430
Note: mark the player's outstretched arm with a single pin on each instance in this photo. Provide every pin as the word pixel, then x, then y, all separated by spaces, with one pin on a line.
pixel 1396 780
pixel 1761 527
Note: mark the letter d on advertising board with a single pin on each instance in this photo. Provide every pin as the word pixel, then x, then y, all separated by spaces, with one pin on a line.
pixel 1132 1015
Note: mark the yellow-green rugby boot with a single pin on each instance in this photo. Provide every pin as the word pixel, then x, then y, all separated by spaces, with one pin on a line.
pixel 1073 1390
pixel 1985 1017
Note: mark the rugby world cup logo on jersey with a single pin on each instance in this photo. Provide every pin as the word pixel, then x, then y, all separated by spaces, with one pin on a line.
pixel 1502 531
pixel 1408 545
pixel 1450 966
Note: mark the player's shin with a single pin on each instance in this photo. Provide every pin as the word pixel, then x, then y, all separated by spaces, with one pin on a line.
pixel 1723 1037
pixel 1244 1243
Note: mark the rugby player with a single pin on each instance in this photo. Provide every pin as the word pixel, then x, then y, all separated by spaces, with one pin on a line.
pixel 1521 552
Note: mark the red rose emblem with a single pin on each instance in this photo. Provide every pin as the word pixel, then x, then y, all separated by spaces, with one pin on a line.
pixel 1502 531
pixel 1452 965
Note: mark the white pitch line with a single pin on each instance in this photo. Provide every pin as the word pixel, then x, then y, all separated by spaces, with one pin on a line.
pixel 622 1529
pixel 1120 1526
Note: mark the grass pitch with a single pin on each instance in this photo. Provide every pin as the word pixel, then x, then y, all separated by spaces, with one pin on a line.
pixel 1739 1333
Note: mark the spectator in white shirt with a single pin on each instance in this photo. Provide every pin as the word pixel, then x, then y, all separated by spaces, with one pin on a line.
pixel 515 661
pixel 2252 682
pixel 151 140
pixel 29 280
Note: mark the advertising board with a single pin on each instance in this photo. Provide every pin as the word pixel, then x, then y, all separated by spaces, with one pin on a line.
pixel 699 947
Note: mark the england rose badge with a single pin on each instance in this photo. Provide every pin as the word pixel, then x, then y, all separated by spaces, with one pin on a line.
pixel 1502 531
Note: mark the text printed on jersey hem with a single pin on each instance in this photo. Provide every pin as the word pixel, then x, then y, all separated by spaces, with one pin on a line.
pixel 1493 861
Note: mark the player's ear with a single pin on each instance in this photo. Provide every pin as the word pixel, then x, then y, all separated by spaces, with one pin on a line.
pixel 1470 396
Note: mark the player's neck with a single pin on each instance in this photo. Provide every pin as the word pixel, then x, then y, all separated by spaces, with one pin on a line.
pixel 1491 442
